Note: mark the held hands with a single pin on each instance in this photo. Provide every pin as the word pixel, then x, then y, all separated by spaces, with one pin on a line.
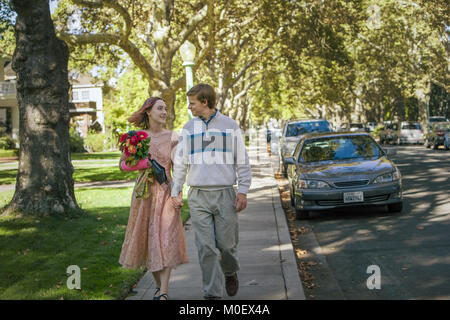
pixel 241 202
pixel 177 202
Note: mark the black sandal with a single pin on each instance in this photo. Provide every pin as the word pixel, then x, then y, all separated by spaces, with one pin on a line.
pixel 154 295
pixel 164 295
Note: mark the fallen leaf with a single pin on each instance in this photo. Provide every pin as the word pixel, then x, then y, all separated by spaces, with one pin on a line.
pixel 107 293
pixel 104 243
pixel 99 231
pixel 110 285
pixel 84 269
pixel 404 269
pixel 62 298
pixel 420 228
pixel 312 263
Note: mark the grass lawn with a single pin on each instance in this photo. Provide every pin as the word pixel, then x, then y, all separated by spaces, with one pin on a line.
pixel 35 252
pixel 10 153
pixel 81 174
pixel 96 155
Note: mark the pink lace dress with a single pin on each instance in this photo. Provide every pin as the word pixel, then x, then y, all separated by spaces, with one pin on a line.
pixel 155 237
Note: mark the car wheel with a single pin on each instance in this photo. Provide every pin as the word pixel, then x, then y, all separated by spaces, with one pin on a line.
pixel 292 198
pixel 395 207
pixel 301 214
pixel 435 146
pixel 284 171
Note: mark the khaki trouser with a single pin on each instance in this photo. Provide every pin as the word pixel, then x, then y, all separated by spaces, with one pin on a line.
pixel 215 223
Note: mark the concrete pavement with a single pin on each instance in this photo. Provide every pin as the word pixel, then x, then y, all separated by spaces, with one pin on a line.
pixel 267 259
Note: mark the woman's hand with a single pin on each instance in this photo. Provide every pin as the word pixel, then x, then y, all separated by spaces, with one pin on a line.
pixel 177 202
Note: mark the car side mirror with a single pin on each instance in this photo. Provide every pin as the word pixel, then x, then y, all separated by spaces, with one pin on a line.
pixel 289 160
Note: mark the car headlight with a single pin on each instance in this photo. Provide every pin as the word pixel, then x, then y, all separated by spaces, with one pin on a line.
pixel 312 184
pixel 389 177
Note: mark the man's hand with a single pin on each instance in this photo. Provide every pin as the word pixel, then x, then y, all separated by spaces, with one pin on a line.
pixel 177 202
pixel 241 202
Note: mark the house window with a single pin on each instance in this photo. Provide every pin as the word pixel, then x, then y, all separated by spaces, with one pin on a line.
pixel 75 95
pixel 85 94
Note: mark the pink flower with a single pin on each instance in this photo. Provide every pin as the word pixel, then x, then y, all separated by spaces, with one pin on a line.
pixel 142 135
pixel 134 140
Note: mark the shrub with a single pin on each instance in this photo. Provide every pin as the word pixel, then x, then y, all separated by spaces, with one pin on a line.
pixel 95 142
pixel 7 143
pixel 76 142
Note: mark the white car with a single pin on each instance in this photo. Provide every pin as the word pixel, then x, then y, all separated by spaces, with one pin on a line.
pixel 409 132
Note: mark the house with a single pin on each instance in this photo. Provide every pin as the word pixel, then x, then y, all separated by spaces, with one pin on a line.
pixel 85 105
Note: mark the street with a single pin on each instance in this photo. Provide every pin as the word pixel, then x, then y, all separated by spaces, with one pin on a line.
pixel 411 249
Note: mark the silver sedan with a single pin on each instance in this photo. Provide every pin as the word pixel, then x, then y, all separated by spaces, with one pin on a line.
pixel 333 170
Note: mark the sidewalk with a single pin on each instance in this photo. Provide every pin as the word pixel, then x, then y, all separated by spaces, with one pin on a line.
pixel 268 264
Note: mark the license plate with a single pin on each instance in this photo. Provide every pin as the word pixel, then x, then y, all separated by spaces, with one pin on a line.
pixel 353 197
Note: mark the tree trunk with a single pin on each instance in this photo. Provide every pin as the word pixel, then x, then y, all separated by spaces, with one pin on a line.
pixel 44 180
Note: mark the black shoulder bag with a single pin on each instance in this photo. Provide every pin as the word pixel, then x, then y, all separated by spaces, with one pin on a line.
pixel 159 173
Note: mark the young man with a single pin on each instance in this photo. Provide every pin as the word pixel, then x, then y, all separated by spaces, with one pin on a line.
pixel 212 148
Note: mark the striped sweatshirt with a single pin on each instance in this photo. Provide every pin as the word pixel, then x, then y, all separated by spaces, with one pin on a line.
pixel 211 153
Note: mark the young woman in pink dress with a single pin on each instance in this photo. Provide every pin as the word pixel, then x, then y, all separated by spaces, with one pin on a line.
pixel 155 237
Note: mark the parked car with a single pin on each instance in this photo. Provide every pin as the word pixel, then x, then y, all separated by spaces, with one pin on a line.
pixel 293 131
pixel 352 127
pixel 386 133
pixel 332 170
pixel 434 119
pixel 438 135
pixel 370 126
pixel 409 132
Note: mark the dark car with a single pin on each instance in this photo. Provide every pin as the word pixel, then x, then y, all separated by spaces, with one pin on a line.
pixel 293 131
pixel 438 135
pixel 342 169
pixel 387 132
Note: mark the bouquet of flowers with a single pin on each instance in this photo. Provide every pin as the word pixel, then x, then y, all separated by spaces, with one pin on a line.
pixel 134 144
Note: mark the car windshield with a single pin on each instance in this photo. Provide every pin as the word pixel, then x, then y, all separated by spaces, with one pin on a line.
pixel 443 127
pixel 411 126
pixel 356 125
pixel 392 126
pixel 299 128
pixel 438 119
pixel 340 148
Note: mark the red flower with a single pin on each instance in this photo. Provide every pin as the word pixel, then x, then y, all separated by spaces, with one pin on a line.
pixel 123 137
pixel 142 135
pixel 125 151
pixel 134 140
